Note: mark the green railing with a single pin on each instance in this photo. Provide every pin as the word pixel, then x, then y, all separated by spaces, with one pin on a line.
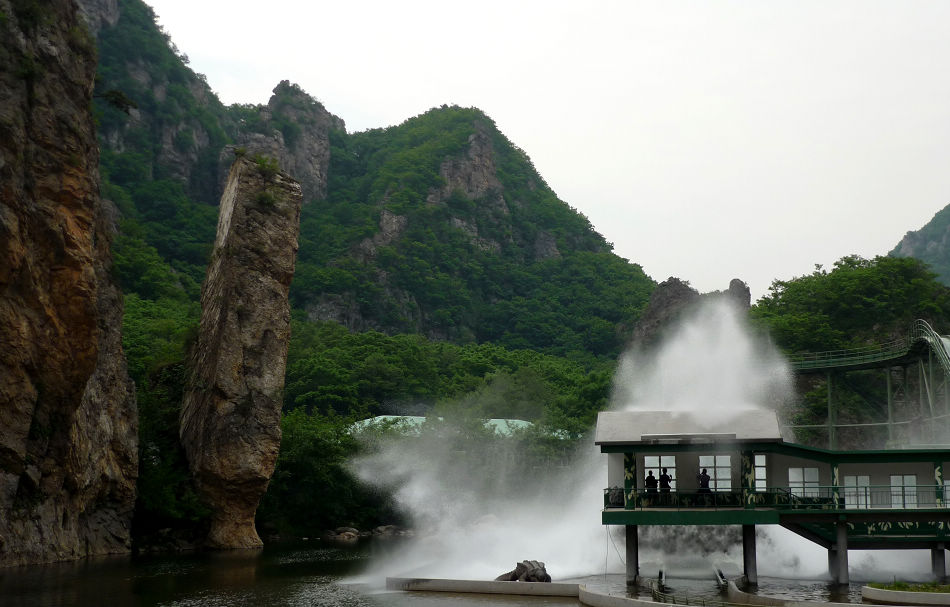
pixel 783 498
pixel 920 331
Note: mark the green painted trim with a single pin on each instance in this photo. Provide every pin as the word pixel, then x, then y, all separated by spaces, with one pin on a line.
pixel 690 517
pixel 794 450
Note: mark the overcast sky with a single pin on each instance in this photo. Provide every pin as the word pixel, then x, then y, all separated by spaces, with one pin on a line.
pixel 705 140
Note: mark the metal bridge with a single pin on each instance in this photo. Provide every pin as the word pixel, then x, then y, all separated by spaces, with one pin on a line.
pixel 924 401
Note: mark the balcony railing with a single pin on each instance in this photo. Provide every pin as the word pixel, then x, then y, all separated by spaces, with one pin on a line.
pixel 785 498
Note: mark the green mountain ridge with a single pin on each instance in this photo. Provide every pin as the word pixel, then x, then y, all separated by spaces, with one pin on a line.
pixel 439 225
pixel 930 244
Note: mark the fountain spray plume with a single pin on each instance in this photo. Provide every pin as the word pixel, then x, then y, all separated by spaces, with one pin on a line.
pixel 478 508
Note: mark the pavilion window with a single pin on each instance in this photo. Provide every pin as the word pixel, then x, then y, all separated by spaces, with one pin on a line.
pixel 719 468
pixel 857 493
pixel 903 491
pixel 803 482
pixel 760 468
pixel 656 463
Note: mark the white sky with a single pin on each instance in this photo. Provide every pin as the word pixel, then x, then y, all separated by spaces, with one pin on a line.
pixel 705 140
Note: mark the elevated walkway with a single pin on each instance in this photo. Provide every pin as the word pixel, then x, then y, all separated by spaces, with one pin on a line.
pixel 915 344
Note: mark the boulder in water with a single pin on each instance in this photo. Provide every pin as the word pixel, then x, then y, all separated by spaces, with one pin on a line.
pixel 526 571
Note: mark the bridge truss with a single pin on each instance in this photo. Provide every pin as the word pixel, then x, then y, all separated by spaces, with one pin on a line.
pixel 916 371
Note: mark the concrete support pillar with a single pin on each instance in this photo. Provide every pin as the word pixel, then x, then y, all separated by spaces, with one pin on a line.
pixel 842 549
pixel 632 554
pixel 938 563
pixel 748 555
pixel 833 563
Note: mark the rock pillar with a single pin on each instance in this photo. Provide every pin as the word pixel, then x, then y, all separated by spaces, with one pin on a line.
pixel 230 419
pixel 748 555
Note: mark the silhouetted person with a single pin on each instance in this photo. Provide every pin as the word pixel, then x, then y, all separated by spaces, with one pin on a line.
pixel 665 482
pixel 650 482
pixel 703 479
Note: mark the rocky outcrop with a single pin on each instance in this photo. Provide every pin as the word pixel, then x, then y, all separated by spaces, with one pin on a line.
pixel 671 299
pixel 473 176
pixel 295 129
pixel 68 424
pixel 526 571
pixel 230 420
pixel 99 13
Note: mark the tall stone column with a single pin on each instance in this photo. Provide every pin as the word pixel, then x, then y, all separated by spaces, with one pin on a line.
pixel 230 419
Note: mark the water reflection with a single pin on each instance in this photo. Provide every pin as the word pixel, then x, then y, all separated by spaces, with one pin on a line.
pixel 307 574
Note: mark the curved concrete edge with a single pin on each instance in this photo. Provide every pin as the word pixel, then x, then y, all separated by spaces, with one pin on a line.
pixel 483 587
pixel 596 599
pixel 737 596
pixel 578 591
pixel 904 597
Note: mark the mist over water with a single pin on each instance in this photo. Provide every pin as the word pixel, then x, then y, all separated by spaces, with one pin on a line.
pixel 477 514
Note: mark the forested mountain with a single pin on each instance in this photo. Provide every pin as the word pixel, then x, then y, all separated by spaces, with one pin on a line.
pixel 436 268
pixel 930 244
pixel 437 271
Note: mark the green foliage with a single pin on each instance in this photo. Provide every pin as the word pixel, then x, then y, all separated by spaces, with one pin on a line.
pixel 470 267
pixel 265 198
pixel 311 488
pixel 911 587
pixel 332 370
pixel 930 245
pixel 155 336
pixel 165 98
pixel 266 166
pixel 855 303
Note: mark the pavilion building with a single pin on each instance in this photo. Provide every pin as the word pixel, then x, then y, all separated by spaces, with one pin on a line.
pixel 841 500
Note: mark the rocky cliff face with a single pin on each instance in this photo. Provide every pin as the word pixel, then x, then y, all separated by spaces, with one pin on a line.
pixel 672 298
pixel 930 244
pixel 230 421
pixel 68 447
pixel 294 128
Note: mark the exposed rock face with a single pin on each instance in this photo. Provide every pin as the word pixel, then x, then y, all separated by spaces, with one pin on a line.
pixel 526 571
pixel 68 423
pixel 672 298
pixel 473 174
pixel 296 132
pixel 99 13
pixel 230 420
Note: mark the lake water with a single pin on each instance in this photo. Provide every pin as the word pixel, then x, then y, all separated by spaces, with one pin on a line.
pixel 310 573
pixel 287 575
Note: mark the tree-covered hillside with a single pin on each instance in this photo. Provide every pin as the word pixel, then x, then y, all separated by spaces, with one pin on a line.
pixel 930 244
pixel 436 271
pixel 858 303
pixel 441 226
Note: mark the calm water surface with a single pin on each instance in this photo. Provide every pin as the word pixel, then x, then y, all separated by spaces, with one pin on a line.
pixel 307 574
pixel 303 574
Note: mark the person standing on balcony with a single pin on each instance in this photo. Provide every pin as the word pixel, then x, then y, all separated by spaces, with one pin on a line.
pixel 665 482
pixel 703 478
pixel 650 482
